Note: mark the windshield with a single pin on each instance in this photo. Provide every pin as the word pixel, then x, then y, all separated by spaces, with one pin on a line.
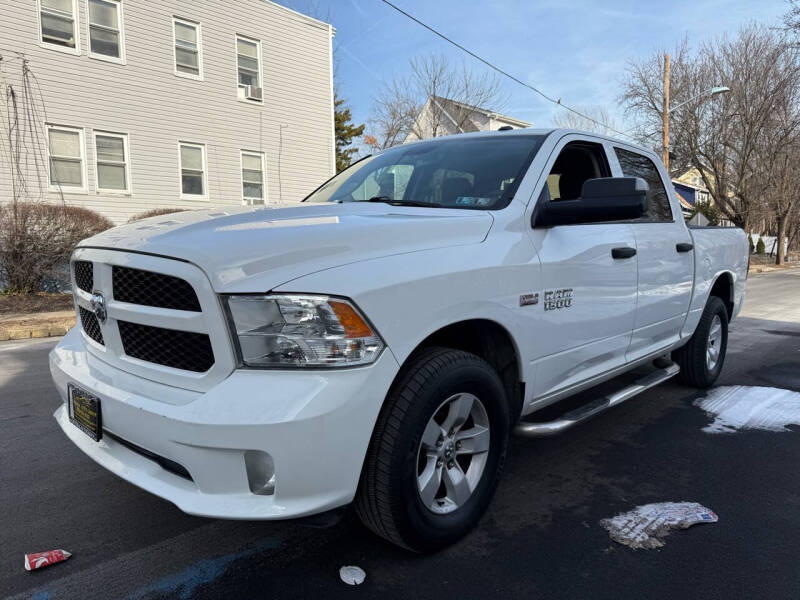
pixel 460 172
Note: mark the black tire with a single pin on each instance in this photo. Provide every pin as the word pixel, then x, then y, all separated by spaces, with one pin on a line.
pixel 388 501
pixel 692 357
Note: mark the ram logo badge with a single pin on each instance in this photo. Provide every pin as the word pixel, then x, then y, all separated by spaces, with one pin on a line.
pixel 529 299
pixel 555 299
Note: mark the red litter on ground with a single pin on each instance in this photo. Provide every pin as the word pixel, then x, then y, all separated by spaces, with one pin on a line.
pixel 37 560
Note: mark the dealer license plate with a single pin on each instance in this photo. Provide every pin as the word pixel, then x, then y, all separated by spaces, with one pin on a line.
pixel 84 412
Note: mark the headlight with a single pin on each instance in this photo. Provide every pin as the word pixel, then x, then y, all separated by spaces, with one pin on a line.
pixel 290 330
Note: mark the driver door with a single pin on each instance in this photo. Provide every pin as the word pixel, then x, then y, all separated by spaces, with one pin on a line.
pixel 589 296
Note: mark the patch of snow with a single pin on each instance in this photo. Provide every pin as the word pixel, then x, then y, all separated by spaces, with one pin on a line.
pixel 644 526
pixel 352 575
pixel 744 407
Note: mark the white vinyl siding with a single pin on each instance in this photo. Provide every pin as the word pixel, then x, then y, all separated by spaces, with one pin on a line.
pixel 248 67
pixel 155 108
pixel 188 42
pixel 58 25
pixel 67 160
pixel 112 163
pixel 253 178
pixel 193 170
pixel 106 40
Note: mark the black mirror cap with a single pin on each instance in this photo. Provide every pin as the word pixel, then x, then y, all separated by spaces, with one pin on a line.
pixel 602 200
pixel 605 187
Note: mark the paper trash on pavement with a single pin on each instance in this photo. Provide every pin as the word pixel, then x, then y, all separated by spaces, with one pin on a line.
pixel 352 575
pixel 644 526
pixel 37 560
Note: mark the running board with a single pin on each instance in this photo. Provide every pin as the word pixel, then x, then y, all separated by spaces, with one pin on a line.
pixel 587 411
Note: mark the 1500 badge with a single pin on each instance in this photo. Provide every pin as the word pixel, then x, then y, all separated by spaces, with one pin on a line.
pixel 555 299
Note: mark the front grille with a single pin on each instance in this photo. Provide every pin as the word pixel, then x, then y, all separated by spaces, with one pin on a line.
pixel 90 325
pixel 164 463
pixel 84 275
pixel 177 349
pixel 153 289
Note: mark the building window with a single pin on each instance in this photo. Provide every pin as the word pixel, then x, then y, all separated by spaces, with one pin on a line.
pixel 105 30
pixel 193 170
pixel 253 190
pixel 248 61
pixel 58 24
pixel 188 49
pixel 65 145
pixel 112 161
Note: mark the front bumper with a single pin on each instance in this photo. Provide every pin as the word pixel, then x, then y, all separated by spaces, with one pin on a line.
pixel 315 425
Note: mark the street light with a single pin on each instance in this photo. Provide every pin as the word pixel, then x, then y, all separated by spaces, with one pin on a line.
pixel 712 92
pixel 719 89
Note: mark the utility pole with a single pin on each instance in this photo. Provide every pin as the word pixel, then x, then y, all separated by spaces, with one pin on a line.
pixel 665 115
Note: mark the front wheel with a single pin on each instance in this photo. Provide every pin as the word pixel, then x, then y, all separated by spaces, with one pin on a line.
pixel 437 451
pixel 702 358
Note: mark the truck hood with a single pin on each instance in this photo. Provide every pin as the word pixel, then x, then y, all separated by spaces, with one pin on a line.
pixel 255 250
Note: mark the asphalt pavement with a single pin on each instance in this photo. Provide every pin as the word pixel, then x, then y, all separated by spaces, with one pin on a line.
pixel 539 539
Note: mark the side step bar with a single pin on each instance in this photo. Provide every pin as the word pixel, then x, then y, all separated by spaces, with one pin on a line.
pixel 587 411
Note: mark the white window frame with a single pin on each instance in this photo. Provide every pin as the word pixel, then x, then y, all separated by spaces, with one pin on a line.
pixel 199 28
pixel 246 200
pixel 120 31
pixel 239 87
pixel 126 148
pixel 69 189
pixel 76 25
pixel 204 195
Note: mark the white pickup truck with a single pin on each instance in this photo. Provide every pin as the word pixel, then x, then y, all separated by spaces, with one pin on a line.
pixel 378 345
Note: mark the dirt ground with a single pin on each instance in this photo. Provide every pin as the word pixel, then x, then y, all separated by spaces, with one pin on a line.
pixel 34 303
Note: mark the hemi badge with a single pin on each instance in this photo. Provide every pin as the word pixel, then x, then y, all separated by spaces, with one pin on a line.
pixel 529 299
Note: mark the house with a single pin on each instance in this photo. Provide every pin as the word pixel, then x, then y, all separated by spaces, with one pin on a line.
pixel 442 116
pixel 142 104
pixel 691 189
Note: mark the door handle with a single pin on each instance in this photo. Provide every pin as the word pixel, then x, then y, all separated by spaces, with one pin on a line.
pixel 684 247
pixel 623 252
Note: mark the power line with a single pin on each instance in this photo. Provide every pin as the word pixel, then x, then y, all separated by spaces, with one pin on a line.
pixel 494 67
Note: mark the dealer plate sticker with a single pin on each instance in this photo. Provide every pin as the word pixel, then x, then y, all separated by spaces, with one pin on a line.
pixel 84 412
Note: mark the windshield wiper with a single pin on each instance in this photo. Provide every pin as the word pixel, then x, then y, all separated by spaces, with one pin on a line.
pixel 393 202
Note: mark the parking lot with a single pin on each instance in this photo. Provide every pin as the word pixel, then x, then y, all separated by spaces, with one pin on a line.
pixel 540 537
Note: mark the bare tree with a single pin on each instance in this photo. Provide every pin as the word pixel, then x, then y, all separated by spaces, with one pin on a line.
pixel 643 94
pixel 728 140
pixel 570 120
pixel 436 98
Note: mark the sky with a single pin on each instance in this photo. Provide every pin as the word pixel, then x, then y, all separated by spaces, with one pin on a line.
pixel 576 50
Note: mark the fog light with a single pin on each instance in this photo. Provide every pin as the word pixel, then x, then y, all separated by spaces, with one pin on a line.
pixel 260 472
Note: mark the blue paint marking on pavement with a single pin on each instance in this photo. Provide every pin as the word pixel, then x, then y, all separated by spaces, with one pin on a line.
pixel 204 571
pixel 42 595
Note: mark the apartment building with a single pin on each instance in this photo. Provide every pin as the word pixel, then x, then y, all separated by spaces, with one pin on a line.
pixel 145 104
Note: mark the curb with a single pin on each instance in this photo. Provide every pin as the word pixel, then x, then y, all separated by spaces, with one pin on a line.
pixel 28 328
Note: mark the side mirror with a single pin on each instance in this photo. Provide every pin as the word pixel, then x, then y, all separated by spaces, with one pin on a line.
pixel 603 199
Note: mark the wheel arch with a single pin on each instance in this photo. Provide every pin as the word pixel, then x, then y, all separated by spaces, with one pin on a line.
pixel 723 289
pixel 489 340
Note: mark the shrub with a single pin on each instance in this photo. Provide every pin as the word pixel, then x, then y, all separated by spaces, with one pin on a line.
pixel 752 245
pixel 35 237
pixel 156 212
pixel 708 210
pixel 760 248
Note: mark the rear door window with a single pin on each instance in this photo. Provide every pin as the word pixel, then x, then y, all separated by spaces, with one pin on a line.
pixel 634 164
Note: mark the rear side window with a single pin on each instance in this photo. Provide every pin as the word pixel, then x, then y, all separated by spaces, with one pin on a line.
pixel 634 164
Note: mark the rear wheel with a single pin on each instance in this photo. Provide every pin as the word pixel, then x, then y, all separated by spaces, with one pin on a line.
pixel 437 451
pixel 701 360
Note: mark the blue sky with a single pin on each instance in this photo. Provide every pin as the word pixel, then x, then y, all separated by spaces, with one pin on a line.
pixel 573 49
